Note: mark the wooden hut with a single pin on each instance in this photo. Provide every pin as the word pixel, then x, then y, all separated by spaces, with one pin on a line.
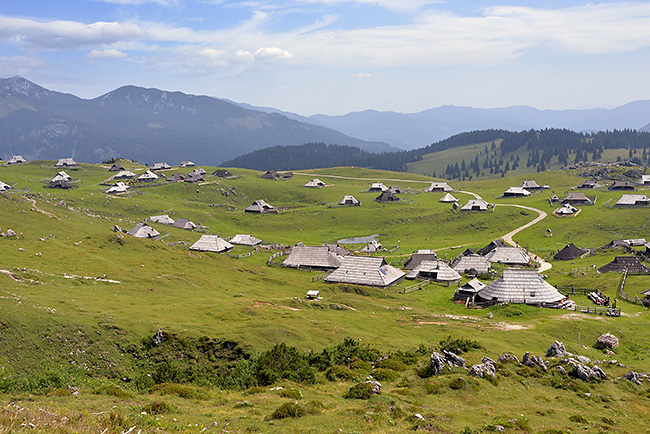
pixel 245 240
pixel 436 270
pixel 312 257
pixel 471 264
pixel 349 200
pixel 521 286
pixel 365 270
pixel 143 230
pixel 569 252
pixel 183 223
pixel 468 291
pixel 386 196
pixel 162 219
pixel 260 206
pixel 621 264
pixel 419 256
pixel 211 243
pixel 439 187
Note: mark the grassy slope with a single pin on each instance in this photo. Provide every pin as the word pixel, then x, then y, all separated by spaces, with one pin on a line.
pixel 80 321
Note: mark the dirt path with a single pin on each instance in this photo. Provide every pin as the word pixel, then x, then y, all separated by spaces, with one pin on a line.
pixel 42 211
pixel 360 179
pixel 10 274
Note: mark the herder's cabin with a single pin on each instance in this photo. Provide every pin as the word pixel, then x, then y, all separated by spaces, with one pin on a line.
pixel 222 173
pixel 245 240
pixel 124 174
pixel 148 176
pixel 118 188
pixel 162 219
pixel 260 206
pixel 377 186
pixel 475 205
pixel 439 186
pixel 211 243
pixel 315 183
pixel 645 180
pixel 566 210
pixel 187 163
pixel 386 196
pixel 395 189
pixel 4 187
pixel 516 192
pixel 312 257
pixel 448 198
pixel 161 166
pixel 589 183
pixel 16 159
pixel 116 167
pixel 621 185
pixel 491 246
pixel 183 223
pixel 143 230
pixel 532 185
pixel 471 264
pixel 61 176
pixel 419 256
pixel 631 264
pixel 508 256
pixel 574 199
pixel 372 247
pixel 468 291
pixel 632 200
pixel 436 270
pixel 521 286
pixel 569 252
pixel 65 162
pixel 365 270
pixel 349 200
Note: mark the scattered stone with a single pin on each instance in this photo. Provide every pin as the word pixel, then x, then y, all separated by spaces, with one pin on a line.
pixel 507 358
pixel 499 428
pixel 532 361
pixel 453 359
pixel 490 315
pixel 437 364
pixel 418 416
pixel 556 350
pixel 583 372
pixel 159 338
pixel 485 369
pixel 584 360
pixel 336 306
pixel 631 376
pixel 560 369
pixel 607 341
pixel 599 372
pixel 116 228
pixel 376 386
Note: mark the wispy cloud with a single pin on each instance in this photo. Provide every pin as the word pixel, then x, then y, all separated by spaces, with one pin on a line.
pixel 110 53
pixel 20 65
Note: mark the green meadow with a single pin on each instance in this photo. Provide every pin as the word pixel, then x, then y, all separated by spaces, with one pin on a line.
pixel 80 305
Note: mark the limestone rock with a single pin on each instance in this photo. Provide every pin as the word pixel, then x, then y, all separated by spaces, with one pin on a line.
pixel 453 359
pixel 532 361
pixel 556 350
pixel 482 370
pixel 376 386
pixel 437 364
pixel 507 358
pixel 631 376
pixel 607 341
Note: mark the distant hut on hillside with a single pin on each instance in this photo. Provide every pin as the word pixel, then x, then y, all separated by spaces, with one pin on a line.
pixel 475 205
pixel 143 230
pixel 60 184
pixel 471 264
pixel 566 209
pixel 439 187
pixel 124 174
pixel 211 243
pixel 621 185
pixel 419 256
pixel 448 198
pixel 16 159
pixel 162 219
pixel 65 162
pixel 187 163
pixel 365 270
pixel 521 286
pixel 4 187
pixel 270 174
pixel 491 246
pixel 160 166
pixel 194 177
pixel 312 257
pixel 222 173
pixel 245 240
pixel 372 247
pixel 576 198
pixel 436 270
pixel 61 176
pixel 148 176
pixel 569 252
pixel 395 189
pixel 183 223
pixel 118 188
pixel 315 183
pixel 260 206
pixel 508 256
pixel 349 200
pixel 469 290
pixel 644 180
pixel 176 177
pixel 116 167
pixel 516 192
pixel 376 187
pixel 387 196
pixel 633 200
pixel 532 185
pixel 631 264
pixel 589 183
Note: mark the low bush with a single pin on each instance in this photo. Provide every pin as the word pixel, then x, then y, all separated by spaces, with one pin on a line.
pixel 391 363
pixel 179 390
pixel 112 390
pixel 157 407
pixel 289 409
pixel 385 375
pixel 282 362
pixel 291 393
pixel 339 373
pixel 359 391
pixel 458 345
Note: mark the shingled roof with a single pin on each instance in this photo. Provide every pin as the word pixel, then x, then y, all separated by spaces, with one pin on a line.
pixel 439 186
pixel 365 270
pixel 469 263
pixel 163 219
pixel 570 251
pixel 521 286
pixel 419 256
pixel 436 270
pixel 4 187
pixel 211 243
pixel 448 198
pixel 491 246
pixel 315 257
pixel 633 200
pixel 631 264
pixel 183 223
pixel 143 230
pixel 386 196
pixel 120 187
pixel 245 240
pixel 260 206
pixel 315 183
pixel 508 255
pixel 349 200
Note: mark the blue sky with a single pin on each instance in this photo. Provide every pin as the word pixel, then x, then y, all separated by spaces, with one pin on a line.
pixel 337 56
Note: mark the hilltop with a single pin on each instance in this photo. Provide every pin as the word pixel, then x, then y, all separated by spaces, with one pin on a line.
pixel 81 305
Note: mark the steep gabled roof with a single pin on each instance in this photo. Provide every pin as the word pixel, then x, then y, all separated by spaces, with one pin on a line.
pixel 508 255
pixel 16 159
pixel 187 163
pixel 439 186
pixel 365 270
pixel 467 263
pixel 211 243
pixel 318 257
pixel 116 167
pixel 436 270
pixel 148 176
pixel 576 197
pixel 387 196
pixel 622 263
pixel 395 189
pixel 315 183
pixel 378 186
pixel 120 187
pixel 633 200
pixel 570 251
pixel 530 185
pixel 475 205
pixel 372 247
pixel 419 256
pixel 183 223
pixel 163 219
pixel 348 199
pixel 65 162
pixel 124 174
pixel 473 285
pixel 222 173
pixel 491 246
pixel 621 185
pixel 143 230
pixel 245 240
pixel 448 198
pixel 521 286
pixel 516 191
pixel 161 166
pixel 61 176
pixel 260 206
pixel 5 187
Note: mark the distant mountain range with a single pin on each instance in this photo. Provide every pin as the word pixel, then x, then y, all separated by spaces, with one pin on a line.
pixel 416 130
pixel 147 125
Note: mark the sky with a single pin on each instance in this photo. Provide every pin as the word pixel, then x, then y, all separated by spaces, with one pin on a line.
pixel 337 56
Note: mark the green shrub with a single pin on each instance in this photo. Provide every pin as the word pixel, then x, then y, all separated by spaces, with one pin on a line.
pixel 158 407
pixel 458 345
pixel 359 391
pixel 578 419
pixel 114 421
pixel 385 375
pixel 112 390
pixel 60 392
pixel 291 393
pixel 289 409
pixel 339 373
pixel 315 407
pixel 343 354
pixel 361 365
pixel 457 383
pixel 282 362
pixel 391 363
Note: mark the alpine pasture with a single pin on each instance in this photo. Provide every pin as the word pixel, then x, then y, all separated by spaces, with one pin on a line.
pixel 80 305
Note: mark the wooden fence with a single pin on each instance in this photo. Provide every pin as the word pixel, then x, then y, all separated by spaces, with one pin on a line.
pixel 418 286
pixel 321 276
pixel 276 255
pixel 632 299
pixel 245 255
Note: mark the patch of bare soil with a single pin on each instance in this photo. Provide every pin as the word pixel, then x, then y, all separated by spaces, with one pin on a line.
pixel 507 327
pixel 267 303
pixel 579 316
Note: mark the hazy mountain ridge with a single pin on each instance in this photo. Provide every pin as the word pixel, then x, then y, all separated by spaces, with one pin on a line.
pixel 144 124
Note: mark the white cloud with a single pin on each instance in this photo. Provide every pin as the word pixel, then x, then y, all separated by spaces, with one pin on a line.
pixel 58 35
pixel 111 53
pixel 20 65
pixel 272 53
pixel 141 2
pixel 394 5
pixel 362 75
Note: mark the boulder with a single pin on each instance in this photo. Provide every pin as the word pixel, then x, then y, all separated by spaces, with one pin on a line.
pixel 376 386
pixel 507 358
pixel 453 359
pixel 437 364
pixel 556 350
pixel 607 341
pixel 533 361
pixel 583 372
pixel 158 338
pixel 631 376
pixel 483 370
pixel 599 372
